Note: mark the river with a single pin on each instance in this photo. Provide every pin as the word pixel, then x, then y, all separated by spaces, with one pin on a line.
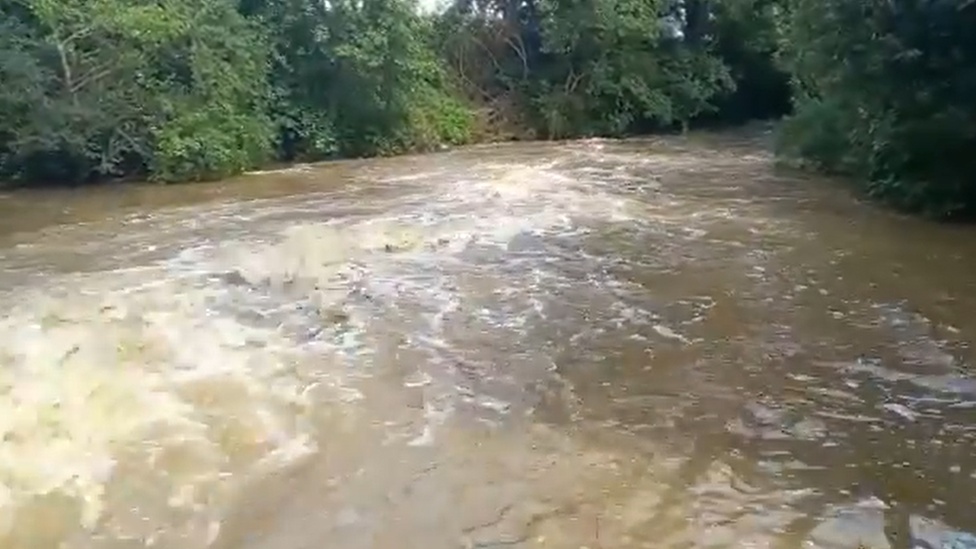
pixel 658 343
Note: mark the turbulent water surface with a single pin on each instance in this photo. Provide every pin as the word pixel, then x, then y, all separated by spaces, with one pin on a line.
pixel 660 343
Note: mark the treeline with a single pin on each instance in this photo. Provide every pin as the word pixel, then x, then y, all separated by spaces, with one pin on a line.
pixel 174 90
pixel 191 89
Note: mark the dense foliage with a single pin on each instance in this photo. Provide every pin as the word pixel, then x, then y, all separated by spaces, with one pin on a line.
pixel 183 89
pixel 886 92
pixel 100 88
pixel 173 90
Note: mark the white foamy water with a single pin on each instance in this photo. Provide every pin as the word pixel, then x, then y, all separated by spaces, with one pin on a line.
pixel 140 400
pixel 146 379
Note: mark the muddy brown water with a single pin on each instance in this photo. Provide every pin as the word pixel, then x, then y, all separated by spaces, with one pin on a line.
pixel 662 343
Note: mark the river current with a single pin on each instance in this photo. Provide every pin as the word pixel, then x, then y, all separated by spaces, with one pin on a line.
pixel 659 343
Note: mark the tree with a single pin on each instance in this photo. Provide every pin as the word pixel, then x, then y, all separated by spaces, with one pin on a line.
pixel 116 85
pixel 886 92
pixel 585 67
pixel 357 78
pixel 745 35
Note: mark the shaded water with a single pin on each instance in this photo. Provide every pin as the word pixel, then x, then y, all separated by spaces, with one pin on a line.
pixel 657 343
